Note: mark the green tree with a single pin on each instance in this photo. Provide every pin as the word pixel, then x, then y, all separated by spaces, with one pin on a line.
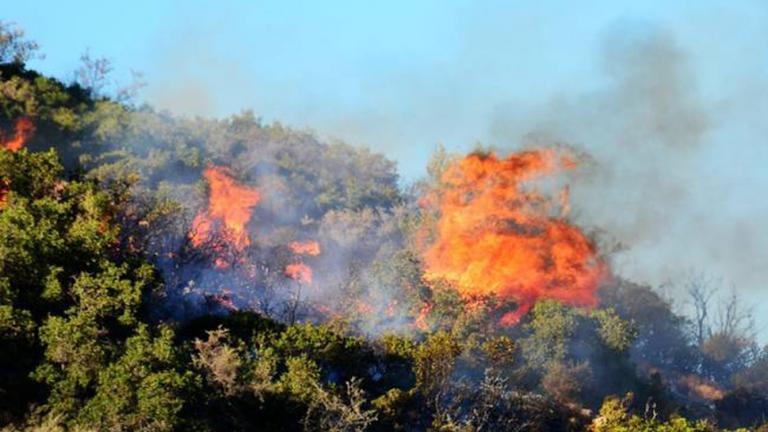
pixel 143 390
pixel 434 366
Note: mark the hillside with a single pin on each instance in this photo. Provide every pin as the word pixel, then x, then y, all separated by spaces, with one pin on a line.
pixel 162 273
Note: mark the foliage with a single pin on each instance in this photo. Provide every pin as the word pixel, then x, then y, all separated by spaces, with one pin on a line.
pixel 614 417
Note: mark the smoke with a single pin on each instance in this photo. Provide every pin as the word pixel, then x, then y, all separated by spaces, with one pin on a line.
pixel 269 219
pixel 662 184
pixel 672 168
pixel 187 59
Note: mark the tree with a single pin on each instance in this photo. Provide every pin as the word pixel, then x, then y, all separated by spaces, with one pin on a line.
pixel 614 417
pixel 551 327
pixel 346 413
pixel 433 366
pixel 730 318
pixel 53 242
pixel 615 332
pixel 14 48
pixel 662 337
pixel 87 337
pixel 94 76
pixel 93 73
pixel 143 390
pixel 724 355
pixel 733 318
pixel 72 304
pixel 220 361
pixel 700 292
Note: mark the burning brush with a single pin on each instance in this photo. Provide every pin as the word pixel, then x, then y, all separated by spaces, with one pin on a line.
pixel 496 234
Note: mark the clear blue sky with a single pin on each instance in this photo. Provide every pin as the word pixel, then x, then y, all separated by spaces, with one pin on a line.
pixel 401 76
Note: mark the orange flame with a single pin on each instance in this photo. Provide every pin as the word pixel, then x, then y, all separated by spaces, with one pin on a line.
pixel 309 247
pixel 299 272
pixel 230 204
pixel 23 130
pixel 496 236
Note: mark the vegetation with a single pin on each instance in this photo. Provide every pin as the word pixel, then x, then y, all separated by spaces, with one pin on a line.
pixel 111 321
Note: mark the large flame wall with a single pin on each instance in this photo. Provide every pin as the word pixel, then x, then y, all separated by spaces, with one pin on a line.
pixel 496 234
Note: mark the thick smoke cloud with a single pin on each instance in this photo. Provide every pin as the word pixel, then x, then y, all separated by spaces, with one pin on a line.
pixel 660 181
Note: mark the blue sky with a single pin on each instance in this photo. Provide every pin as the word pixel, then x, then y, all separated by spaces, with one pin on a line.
pixel 402 76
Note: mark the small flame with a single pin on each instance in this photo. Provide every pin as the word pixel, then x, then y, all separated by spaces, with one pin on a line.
pixel 299 272
pixel 496 235
pixel 230 205
pixel 309 247
pixel 23 130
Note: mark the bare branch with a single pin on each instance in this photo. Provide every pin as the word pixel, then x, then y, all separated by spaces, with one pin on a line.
pixel 14 48
pixel 93 73
pixel 701 291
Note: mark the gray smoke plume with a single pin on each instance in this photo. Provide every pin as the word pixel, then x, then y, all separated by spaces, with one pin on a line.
pixel 660 179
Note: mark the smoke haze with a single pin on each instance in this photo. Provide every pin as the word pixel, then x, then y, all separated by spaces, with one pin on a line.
pixel 667 181
pixel 675 165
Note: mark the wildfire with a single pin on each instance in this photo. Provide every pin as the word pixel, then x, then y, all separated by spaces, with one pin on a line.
pixel 309 247
pixel 229 208
pixel 496 234
pixel 23 130
pixel 299 272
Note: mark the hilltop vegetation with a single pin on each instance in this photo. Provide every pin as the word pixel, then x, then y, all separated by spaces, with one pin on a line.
pixel 110 320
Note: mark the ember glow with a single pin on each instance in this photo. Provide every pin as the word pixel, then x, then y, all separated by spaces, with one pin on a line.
pixel 229 210
pixel 22 131
pixel 496 234
pixel 701 388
